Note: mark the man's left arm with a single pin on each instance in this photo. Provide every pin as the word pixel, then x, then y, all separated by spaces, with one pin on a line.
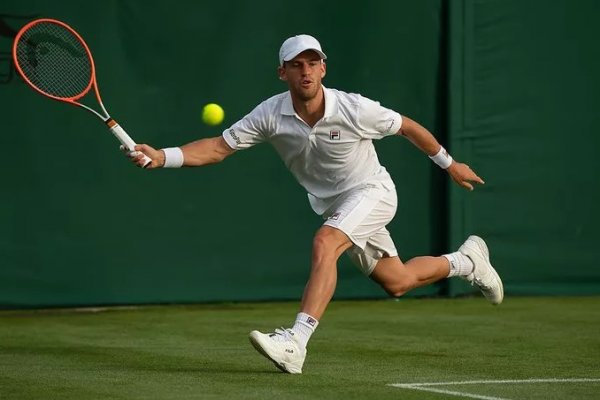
pixel 461 173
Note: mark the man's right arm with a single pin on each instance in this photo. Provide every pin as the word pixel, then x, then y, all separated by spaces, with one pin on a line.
pixel 195 154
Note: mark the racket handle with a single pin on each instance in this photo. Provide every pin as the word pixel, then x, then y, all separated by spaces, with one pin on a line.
pixel 124 138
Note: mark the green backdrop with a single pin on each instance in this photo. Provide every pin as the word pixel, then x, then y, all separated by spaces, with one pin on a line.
pixel 80 226
pixel 511 87
pixel 524 94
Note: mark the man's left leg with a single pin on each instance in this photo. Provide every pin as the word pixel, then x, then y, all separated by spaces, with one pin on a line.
pixel 397 278
pixel 471 262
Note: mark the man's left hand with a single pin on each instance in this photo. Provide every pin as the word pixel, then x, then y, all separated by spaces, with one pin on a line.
pixel 463 175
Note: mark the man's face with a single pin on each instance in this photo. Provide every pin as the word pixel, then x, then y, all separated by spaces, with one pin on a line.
pixel 303 74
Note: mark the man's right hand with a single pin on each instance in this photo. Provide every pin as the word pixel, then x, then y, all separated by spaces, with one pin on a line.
pixel 157 156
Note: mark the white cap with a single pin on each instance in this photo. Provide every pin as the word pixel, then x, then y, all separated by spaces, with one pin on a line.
pixel 296 45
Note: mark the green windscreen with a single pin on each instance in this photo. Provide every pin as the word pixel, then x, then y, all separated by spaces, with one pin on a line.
pixel 510 87
pixel 524 93
pixel 80 225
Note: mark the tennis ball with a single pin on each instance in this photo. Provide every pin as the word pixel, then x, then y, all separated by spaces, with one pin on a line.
pixel 212 114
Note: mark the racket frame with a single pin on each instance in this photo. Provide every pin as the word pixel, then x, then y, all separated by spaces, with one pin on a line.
pixel 113 126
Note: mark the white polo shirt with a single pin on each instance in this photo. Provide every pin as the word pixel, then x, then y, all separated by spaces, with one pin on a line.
pixel 332 157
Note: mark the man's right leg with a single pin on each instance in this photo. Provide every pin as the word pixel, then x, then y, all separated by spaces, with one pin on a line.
pixel 328 245
pixel 286 348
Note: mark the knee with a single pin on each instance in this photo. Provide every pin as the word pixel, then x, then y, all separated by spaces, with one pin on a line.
pixel 324 246
pixel 401 286
pixel 321 246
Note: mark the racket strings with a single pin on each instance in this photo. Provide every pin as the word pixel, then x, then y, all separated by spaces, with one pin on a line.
pixel 54 60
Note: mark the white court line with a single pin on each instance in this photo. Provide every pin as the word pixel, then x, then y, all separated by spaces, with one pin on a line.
pixel 426 386
pixel 452 393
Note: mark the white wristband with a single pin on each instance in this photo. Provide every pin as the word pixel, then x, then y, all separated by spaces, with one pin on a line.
pixel 442 158
pixel 173 157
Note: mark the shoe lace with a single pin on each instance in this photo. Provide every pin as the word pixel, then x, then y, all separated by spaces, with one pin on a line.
pixel 476 282
pixel 283 332
pixel 470 279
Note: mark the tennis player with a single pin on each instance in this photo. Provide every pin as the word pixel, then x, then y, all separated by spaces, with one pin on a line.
pixel 324 137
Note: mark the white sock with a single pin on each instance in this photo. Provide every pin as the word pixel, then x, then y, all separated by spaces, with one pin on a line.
pixel 460 265
pixel 304 327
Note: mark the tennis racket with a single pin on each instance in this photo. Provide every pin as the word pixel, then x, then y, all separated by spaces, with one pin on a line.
pixel 56 62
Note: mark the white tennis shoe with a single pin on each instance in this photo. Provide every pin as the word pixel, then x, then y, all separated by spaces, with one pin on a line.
pixel 281 348
pixel 484 276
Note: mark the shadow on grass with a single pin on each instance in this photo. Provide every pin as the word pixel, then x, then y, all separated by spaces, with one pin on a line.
pixel 90 357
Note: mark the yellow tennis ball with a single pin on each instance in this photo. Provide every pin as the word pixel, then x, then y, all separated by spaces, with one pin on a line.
pixel 212 114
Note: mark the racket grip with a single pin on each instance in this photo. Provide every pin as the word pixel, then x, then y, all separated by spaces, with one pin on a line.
pixel 125 139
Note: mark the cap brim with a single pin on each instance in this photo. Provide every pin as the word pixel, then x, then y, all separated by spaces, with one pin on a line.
pixel 292 55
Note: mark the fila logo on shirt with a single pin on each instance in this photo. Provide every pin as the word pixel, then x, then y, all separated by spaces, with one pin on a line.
pixel 334 135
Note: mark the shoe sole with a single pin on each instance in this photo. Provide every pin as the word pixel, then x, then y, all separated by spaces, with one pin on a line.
pixel 486 252
pixel 255 341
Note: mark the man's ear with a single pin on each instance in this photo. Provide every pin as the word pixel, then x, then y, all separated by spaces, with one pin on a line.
pixel 281 73
pixel 323 69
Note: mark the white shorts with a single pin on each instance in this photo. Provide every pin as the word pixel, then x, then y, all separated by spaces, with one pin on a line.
pixel 362 214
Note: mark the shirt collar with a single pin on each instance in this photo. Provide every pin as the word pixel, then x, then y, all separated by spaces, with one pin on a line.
pixel 331 106
pixel 287 108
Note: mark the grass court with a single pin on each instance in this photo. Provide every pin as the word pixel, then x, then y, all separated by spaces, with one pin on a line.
pixel 460 348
